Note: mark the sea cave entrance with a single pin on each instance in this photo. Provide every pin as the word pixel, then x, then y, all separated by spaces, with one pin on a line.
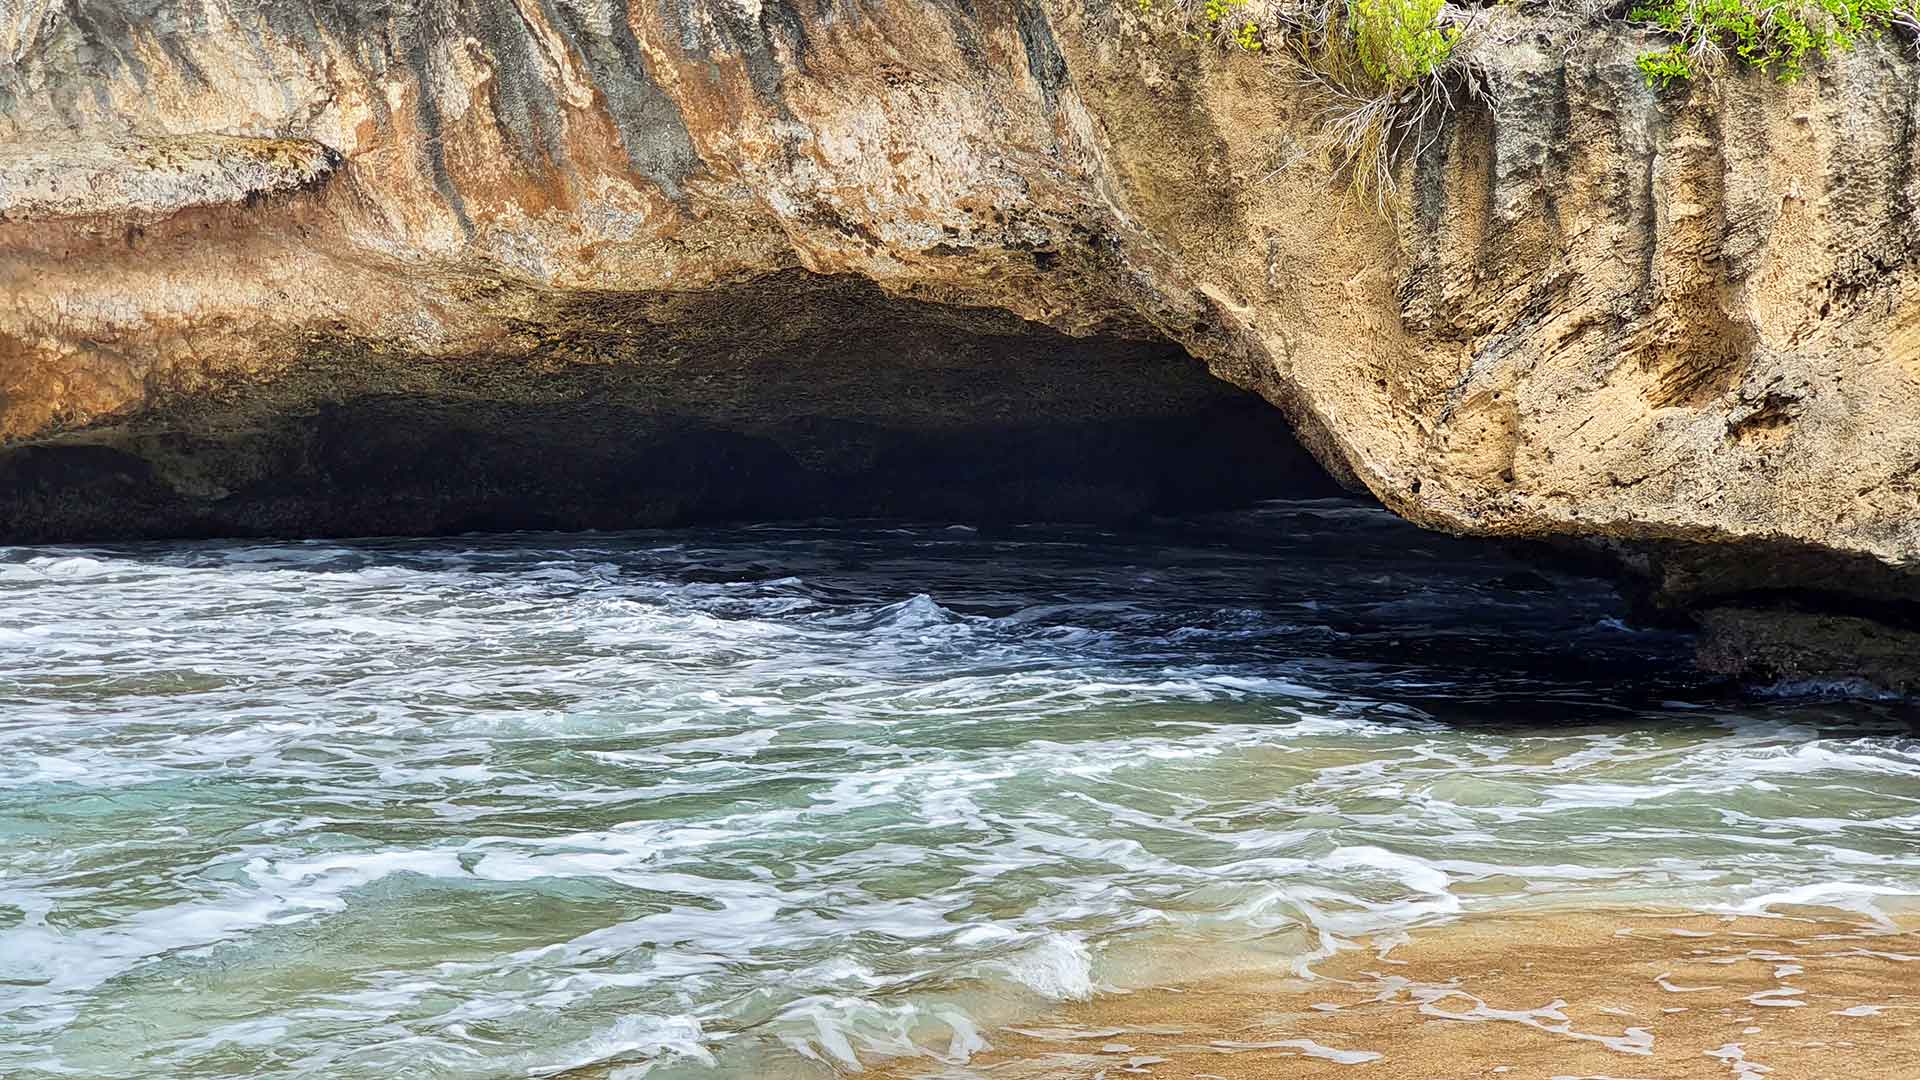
pixel 786 397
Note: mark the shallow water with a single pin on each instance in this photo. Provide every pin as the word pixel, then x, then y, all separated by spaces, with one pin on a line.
pixel 1609 994
pixel 767 801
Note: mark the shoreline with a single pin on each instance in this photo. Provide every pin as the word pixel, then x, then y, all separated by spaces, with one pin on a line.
pixel 1621 995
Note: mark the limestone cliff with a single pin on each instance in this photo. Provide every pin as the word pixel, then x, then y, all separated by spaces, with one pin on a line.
pixel 1677 324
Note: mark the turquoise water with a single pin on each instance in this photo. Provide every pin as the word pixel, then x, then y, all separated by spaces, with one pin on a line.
pixel 770 801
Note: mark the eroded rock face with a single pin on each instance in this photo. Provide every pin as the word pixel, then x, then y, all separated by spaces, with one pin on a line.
pixel 1678 324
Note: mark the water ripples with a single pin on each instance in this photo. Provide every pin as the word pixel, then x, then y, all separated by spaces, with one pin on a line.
pixel 770 799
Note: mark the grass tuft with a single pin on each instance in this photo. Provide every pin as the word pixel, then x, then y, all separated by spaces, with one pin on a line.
pixel 1388 72
pixel 1392 71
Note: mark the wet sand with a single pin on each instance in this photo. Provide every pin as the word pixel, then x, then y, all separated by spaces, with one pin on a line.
pixel 1535 997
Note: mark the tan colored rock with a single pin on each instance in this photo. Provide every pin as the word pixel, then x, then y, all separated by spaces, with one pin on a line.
pixel 1604 313
pixel 140 181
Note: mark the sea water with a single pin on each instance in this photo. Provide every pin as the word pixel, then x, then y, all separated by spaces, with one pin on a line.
pixel 790 799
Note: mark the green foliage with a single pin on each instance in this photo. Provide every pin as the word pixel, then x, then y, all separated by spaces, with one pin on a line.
pixel 1400 42
pixel 1772 35
pixel 1666 66
pixel 1384 72
pixel 1223 23
pixel 1217 20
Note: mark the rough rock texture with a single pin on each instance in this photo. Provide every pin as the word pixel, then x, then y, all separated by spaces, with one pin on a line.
pixel 1680 324
pixel 1808 646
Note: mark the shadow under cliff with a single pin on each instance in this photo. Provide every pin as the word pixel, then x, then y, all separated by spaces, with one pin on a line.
pixel 788 396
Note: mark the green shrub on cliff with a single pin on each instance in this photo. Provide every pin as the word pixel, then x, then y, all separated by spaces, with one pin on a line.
pixel 1221 21
pixel 1391 71
pixel 1772 35
pixel 1400 42
pixel 1387 71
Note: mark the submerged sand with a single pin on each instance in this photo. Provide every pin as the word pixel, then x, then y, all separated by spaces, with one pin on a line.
pixel 1552 996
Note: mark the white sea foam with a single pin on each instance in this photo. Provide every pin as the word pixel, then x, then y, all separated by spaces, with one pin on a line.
pixel 627 1037
pixel 1734 1055
pixel 1306 1047
pixel 1866 899
pixel 1548 1018
pixel 648 801
pixel 1058 967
